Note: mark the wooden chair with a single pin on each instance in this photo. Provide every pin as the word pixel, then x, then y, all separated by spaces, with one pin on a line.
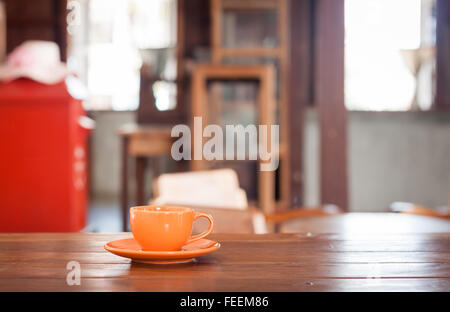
pixel 410 208
pixel 217 193
pixel 213 188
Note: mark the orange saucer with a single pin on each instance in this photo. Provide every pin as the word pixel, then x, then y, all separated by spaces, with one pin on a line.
pixel 129 248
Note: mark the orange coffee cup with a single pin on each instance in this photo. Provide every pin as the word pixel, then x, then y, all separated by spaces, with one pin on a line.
pixel 165 228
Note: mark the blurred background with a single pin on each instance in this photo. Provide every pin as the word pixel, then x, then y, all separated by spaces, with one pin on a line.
pixel 360 91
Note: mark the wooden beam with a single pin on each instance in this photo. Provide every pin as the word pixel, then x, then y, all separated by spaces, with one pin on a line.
pixel 298 92
pixel 284 33
pixel 329 96
pixel 442 101
pixel 180 49
pixel 60 26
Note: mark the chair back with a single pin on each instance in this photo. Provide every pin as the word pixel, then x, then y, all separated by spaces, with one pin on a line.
pixel 215 192
pixel 232 221
pixel 411 208
pixel 213 188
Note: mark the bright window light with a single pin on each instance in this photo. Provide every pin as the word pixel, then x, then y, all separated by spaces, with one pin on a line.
pixel 380 37
pixel 108 44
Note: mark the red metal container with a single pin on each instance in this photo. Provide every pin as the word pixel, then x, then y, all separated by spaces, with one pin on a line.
pixel 43 159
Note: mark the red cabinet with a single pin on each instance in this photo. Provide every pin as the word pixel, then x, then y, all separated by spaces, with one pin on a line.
pixel 43 159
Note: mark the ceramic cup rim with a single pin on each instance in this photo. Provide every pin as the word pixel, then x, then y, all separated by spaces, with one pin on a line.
pixel 159 209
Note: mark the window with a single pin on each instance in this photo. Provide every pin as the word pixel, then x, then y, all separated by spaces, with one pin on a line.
pixel 107 45
pixel 390 54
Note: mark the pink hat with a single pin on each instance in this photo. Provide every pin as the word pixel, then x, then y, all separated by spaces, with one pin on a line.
pixel 36 60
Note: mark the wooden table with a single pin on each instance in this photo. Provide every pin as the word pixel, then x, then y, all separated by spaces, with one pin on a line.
pixel 346 261
pixel 368 222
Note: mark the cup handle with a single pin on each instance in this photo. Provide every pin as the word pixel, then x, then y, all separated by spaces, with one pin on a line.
pixel 208 231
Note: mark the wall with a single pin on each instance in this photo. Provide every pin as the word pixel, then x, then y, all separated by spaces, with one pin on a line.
pixel 399 157
pixel 105 151
pixel 392 157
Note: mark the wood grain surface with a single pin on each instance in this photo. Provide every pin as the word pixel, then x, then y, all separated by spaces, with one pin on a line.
pixel 353 261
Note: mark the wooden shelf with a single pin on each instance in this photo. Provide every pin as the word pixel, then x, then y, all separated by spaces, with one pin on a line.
pixel 221 52
pixel 249 4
